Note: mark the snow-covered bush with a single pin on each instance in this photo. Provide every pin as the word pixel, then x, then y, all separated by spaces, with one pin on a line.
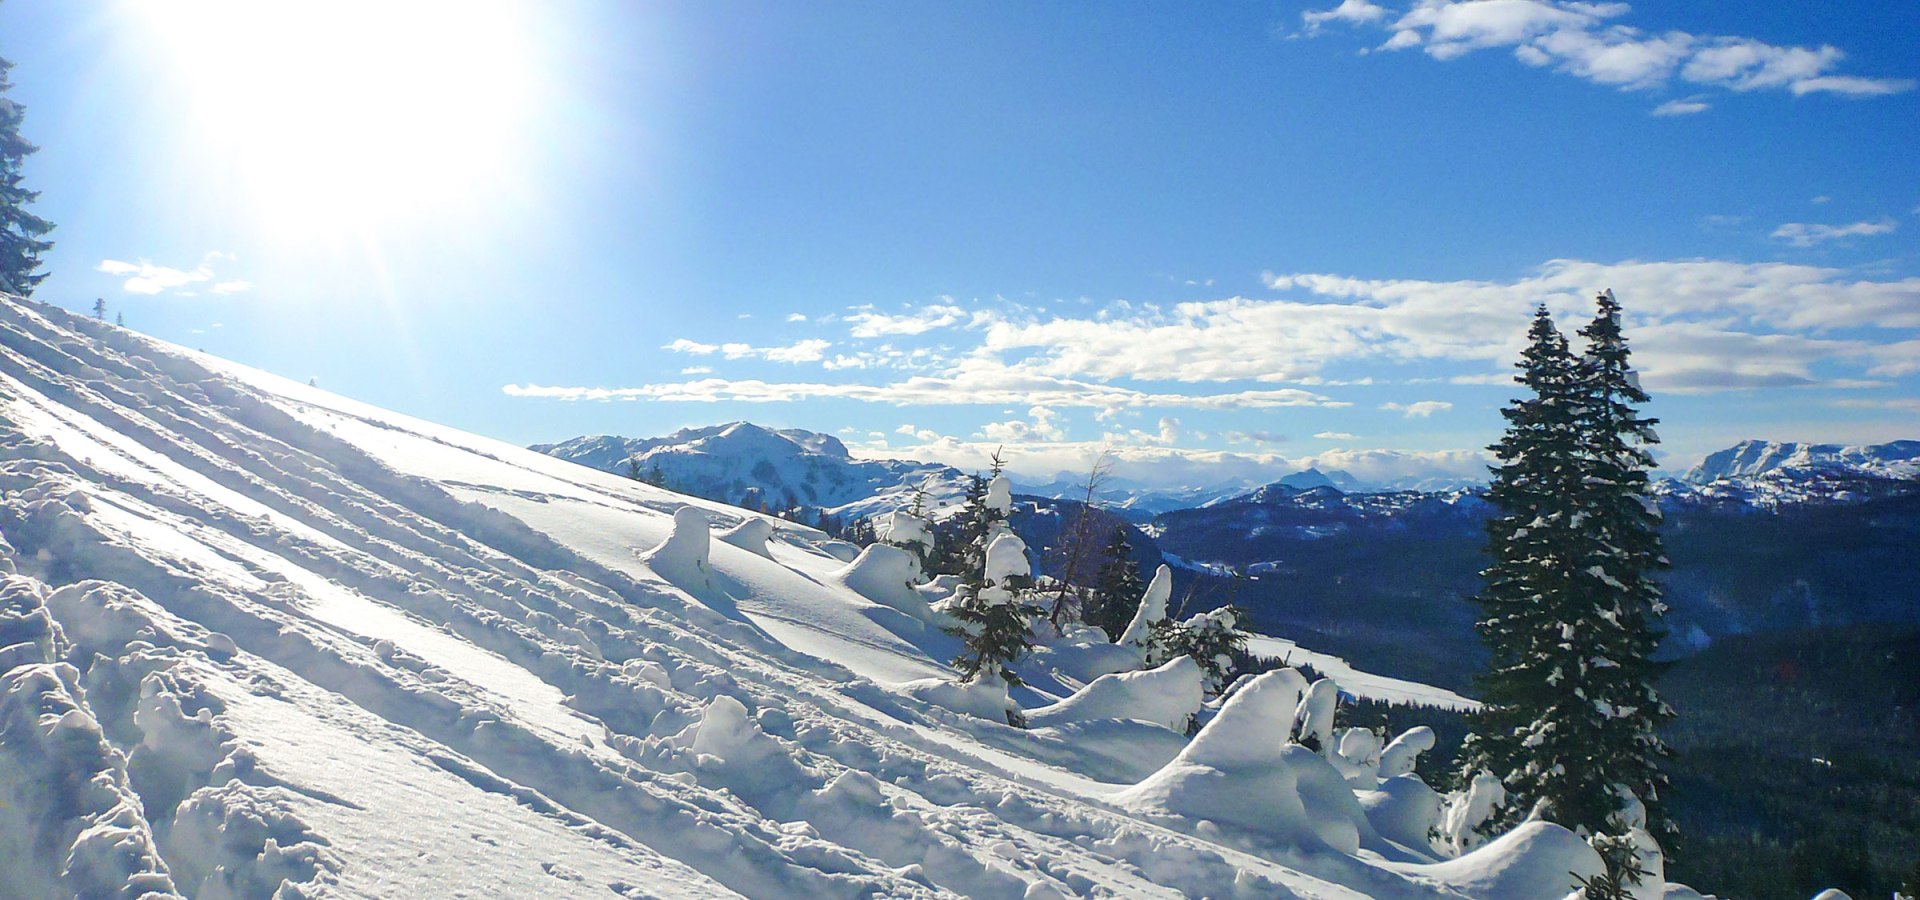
pixel 1212 639
pixel 909 532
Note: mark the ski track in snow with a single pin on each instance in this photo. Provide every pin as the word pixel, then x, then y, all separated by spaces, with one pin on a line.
pixel 256 634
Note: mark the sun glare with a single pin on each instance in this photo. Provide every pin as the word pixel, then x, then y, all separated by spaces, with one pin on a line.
pixel 341 116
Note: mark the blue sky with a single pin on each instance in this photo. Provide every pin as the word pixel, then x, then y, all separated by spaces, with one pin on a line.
pixel 1222 240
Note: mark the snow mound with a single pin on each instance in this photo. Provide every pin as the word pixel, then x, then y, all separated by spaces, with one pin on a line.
pixel 885 575
pixel 683 558
pixel 1153 608
pixel 1404 810
pixel 1007 558
pixel 1537 859
pixel 985 697
pixel 750 535
pixel 1167 696
pixel 1240 772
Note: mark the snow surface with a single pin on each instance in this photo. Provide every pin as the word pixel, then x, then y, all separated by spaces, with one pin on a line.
pixel 1365 685
pixel 260 640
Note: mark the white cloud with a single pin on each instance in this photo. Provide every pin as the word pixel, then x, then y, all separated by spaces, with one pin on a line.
pixel 1681 108
pixel 1039 426
pixel 1336 436
pixel 145 277
pixel 976 384
pixel 1253 437
pixel 1422 409
pixel 1341 319
pixel 1357 12
pixel 1169 466
pixel 810 350
pixel 1849 86
pixel 1901 404
pixel 1588 40
pixel 1801 234
pixel 682 345
pixel 870 324
pixel 796 317
pixel 697 370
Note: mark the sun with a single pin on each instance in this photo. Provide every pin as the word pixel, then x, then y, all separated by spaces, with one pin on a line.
pixel 344 115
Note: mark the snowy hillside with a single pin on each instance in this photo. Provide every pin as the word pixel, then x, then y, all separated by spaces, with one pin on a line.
pixel 1751 459
pixel 779 468
pixel 254 634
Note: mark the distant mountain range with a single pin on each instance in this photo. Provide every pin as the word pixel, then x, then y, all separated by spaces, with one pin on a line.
pixel 748 464
pixel 751 465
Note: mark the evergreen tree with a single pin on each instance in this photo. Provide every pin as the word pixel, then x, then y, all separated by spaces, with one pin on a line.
pixel 996 612
pixel 1527 588
pixel 633 469
pixel 1620 552
pixel 22 234
pixel 1569 611
pixel 1213 639
pixel 979 521
pixel 1117 586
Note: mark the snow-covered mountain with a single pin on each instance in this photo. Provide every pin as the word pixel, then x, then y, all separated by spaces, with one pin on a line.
pixel 257 639
pixel 1897 460
pixel 1769 475
pixel 1137 501
pixel 741 462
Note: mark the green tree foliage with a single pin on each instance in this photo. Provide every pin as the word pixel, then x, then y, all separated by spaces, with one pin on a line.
pixel 1213 639
pixel 1116 588
pixel 995 616
pixel 1569 612
pixel 22 234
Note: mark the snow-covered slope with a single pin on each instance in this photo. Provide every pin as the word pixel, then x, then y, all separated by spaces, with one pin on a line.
pixel 256 636
pixel 777 468
pixel 1751 459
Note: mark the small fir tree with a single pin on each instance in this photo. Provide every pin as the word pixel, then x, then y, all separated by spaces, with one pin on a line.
pixel 1214 640
pixel 996 615
pixel 1117 586
pixel 22 234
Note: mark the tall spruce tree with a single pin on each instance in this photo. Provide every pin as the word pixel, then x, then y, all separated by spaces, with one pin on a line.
pixel 22 234
pixel 1527 588
pixel 1569 612
pixel 1623 549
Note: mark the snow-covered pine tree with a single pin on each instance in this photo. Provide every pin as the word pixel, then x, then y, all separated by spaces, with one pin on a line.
pixel 1117 586
pixel 979 520
pixel 1213 639
pixel 1622 547
pixel 1569 611
pixel 1527 592
pixel 22 234
pixel 996 614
